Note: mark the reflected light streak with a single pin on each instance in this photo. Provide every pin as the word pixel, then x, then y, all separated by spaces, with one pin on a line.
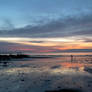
pixel 70 64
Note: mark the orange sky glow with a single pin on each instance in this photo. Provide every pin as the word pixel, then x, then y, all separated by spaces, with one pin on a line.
pixel 50 43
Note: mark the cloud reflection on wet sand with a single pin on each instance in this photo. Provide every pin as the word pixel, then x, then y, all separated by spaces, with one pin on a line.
pixel 39 75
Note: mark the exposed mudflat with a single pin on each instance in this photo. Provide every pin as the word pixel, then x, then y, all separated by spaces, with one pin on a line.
pixel 47 75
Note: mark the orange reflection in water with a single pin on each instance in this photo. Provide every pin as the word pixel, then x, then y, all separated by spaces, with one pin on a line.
pixel 69 64
pixel 80 66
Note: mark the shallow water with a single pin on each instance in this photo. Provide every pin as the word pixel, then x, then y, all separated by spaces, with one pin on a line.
pixel 47 74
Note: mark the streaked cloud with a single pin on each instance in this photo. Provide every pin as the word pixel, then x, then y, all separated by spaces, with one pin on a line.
pixel 63 27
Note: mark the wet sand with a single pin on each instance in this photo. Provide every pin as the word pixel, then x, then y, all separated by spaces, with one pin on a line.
pixel 46 75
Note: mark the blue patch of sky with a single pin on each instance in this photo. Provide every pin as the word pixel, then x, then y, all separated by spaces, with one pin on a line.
pixel 23 12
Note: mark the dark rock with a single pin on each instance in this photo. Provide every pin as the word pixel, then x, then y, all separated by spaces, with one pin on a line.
pixel 22 79
pixel 65 90
pixel 57 66
pixel 89 70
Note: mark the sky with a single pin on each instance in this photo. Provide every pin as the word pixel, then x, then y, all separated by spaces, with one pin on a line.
pixel 45 26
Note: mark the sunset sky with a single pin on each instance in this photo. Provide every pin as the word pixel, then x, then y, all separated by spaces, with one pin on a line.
pixel 42 26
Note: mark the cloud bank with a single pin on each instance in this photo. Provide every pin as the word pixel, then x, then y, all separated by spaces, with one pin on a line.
pixel 62 27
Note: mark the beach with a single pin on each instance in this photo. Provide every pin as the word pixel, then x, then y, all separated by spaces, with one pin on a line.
pixel 55 74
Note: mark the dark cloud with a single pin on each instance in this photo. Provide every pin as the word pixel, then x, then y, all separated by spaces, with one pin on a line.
pixel 87 40
pixel 37 41
pixel 85 31
pixel 68 26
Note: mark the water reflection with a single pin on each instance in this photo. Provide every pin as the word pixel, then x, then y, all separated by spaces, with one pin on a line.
pixel 78 66
pixel 39 75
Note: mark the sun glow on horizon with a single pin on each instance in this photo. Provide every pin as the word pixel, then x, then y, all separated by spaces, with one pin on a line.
pixel 52 44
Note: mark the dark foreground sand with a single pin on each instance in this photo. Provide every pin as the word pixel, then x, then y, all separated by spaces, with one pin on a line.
pixel 46 75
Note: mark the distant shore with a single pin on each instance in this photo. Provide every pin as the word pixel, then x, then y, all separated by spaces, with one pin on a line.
pixel 11 56
pixel 6 57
